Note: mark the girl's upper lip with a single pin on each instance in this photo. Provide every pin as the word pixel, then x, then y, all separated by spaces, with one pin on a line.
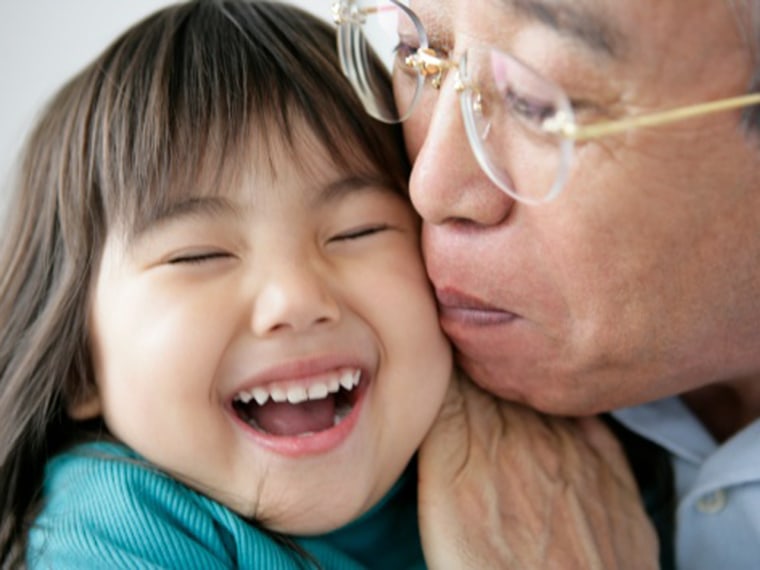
pixel 450 298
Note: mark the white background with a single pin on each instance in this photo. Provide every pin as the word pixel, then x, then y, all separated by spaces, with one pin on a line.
pixel 44 42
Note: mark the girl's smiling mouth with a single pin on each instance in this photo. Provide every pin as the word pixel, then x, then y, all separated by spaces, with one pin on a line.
pixel 305 415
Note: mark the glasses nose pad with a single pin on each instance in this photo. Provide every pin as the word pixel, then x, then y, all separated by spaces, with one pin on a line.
pixel 471 102
pixel 480 133
pixel 483 123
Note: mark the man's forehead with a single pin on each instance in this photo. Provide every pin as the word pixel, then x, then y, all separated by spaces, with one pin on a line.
pixel 590 23
pixel 586 22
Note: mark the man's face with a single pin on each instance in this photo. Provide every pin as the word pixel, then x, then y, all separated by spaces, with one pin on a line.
pixel 640 280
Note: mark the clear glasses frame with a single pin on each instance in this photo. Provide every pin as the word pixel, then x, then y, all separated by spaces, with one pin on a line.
pixel 431 67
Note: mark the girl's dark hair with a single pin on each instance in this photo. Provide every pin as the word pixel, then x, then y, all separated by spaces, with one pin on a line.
pixel 180 94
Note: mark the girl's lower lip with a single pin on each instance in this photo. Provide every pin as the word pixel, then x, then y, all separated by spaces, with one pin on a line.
pixel 313 443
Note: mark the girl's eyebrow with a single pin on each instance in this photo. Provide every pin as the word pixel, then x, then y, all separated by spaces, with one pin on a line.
pixel 220 207
pixel 350 184
pixel 196 206
pixel 578 22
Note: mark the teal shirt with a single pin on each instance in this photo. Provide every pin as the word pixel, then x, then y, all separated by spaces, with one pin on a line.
pixel 104 508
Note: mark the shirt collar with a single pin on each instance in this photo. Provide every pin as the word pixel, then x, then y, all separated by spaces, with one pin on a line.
pixel 670 424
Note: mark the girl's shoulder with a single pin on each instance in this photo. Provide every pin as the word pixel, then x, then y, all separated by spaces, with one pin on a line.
pixel 104 505
pixel 104 479
pixel 97 464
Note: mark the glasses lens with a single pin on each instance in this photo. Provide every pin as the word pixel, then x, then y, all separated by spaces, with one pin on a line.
pixel 505 109
pixel 373 43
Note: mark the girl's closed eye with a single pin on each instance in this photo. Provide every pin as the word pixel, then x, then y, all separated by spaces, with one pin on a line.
pixel 360 232
pixel 198 257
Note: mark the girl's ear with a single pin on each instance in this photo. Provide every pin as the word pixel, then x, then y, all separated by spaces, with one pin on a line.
pixel 86 407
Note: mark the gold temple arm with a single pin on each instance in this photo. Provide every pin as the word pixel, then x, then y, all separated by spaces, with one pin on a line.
pixel 563 127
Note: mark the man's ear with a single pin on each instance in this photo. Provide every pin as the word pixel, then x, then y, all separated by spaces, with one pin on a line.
pixel 86 407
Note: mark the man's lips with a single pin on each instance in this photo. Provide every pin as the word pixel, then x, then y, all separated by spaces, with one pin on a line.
pixel 456 307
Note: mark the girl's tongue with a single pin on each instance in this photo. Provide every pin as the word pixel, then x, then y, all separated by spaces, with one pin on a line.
pixel 283 418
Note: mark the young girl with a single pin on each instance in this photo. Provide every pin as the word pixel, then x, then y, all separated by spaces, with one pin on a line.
pixel 219 347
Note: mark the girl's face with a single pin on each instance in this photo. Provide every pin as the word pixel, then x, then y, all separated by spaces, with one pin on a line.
pixel 291 287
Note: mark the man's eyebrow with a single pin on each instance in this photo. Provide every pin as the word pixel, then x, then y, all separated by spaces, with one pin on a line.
pixel 574 21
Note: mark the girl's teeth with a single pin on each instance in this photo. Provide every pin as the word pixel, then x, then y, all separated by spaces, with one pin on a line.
pixel 279 395
pixel 348 380
pixel 245 397
pixel 297 395
pixel 341 413
pixel 318 392
pixel 260 395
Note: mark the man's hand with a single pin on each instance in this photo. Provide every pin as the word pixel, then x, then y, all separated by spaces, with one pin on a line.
pixel 504 487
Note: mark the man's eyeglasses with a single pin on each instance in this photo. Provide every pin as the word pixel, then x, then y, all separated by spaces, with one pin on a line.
pixel 520 125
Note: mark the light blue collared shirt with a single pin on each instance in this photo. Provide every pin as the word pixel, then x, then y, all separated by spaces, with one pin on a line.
pixel 718 486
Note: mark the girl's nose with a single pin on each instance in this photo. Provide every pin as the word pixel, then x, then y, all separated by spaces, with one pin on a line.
pixel 293 297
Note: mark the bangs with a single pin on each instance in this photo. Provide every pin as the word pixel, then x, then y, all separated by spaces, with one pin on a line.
pixel 192 94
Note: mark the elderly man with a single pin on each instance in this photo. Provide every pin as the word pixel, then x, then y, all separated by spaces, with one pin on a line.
pixel 589 177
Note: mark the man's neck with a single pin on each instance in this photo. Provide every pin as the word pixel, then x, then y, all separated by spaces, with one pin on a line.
pixel 726 408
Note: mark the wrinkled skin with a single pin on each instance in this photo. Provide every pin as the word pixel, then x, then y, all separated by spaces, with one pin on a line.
pixel 504 487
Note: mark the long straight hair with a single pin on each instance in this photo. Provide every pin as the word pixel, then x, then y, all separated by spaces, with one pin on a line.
pixel 177 95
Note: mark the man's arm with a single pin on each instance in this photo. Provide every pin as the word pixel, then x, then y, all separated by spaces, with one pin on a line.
pixel 504 487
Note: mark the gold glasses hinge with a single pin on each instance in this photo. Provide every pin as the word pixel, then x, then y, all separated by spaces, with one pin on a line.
pixel 429 64
pixel 349 13
pixel 339 13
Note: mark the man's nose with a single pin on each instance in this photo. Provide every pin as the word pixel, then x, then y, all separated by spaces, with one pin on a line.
pixel 293 296
pixel 446 183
